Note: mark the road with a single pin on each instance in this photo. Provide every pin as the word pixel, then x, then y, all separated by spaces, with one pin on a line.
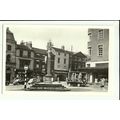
pixel 89 88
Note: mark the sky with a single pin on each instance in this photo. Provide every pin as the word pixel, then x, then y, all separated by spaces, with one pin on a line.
pixel 67 35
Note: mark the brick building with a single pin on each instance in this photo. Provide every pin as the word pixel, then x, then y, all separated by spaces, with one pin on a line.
pixel 98 47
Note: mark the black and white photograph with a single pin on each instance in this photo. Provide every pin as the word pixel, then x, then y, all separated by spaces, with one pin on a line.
pixel 69 57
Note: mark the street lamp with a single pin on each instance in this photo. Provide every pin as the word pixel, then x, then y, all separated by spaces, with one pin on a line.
pixel 25 83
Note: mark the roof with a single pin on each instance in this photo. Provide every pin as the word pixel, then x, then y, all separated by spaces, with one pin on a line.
pixel 61 50
pixel 10 35
pixel 8 31
pixel 42 51
pixel 22 47
pixel 80 54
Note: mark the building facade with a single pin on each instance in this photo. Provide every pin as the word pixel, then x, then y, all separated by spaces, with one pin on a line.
pixel 10 56
pixel 61 62
pixel 20 55
pixel 98 47
pixel 78 61
pixel 24 56
pixel 40 61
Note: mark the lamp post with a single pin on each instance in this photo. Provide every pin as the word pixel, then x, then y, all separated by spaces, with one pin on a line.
pixel 25 83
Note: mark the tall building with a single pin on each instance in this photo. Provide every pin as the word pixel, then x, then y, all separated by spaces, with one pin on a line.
pixel 10 56
pixel 98 47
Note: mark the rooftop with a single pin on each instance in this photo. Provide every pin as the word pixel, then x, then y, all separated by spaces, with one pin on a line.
pixel 80 54
pixel 19 46
pixel 61 50
pixel 42 51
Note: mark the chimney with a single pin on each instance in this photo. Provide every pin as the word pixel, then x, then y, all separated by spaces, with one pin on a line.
pixel 22 43
pixel 63 47
pixel 71 48
pixel 7 28
pixel 29 45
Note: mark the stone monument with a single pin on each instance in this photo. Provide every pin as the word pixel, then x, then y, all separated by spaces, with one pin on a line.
pixel 48 77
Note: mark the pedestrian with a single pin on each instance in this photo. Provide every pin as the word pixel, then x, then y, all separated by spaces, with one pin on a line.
pixel 102 83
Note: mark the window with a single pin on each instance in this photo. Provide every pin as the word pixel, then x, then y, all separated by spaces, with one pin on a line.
pixel 100 34
pixel 58 53
pixel 58 60
pixel 25 53
pixel 21 53
pixel 79 59
pixel 64 61
pixel 43 66
pixel 8 47
pixel 89 50
pixel 8 58
pixel 90 35
pixel 65 54
pixel 29 54
pixel 100 50
pixel 75 66
pixel 37 65
pixel 75 58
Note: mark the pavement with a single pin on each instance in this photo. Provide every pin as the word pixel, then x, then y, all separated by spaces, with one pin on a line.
pixel 87 88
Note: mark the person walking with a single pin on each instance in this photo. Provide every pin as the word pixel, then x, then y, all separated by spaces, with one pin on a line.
pixel 102 83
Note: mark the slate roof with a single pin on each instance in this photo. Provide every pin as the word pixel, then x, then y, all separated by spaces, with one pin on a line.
pixel 22 47
pixel 41 51
pixel 61 50
pixel 80 54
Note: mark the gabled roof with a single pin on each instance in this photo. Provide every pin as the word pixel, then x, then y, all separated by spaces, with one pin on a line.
pixel 61 50
pixel 8 31
pixel 41 51
pixel 10 35
pixel 80 54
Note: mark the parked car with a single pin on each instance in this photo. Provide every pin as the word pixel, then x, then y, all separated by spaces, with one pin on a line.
pixel 31 82
pixel 18 81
